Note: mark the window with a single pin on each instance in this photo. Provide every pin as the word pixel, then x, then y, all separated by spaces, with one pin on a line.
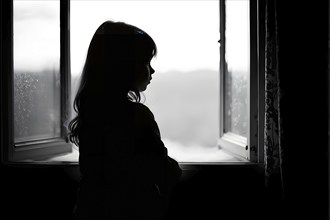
pixel 204 95
pixel 36 74
pixel 238 78
pixel 184 93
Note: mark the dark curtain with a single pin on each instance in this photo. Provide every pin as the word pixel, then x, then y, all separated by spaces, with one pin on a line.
pixel 273 131
pixel 295 134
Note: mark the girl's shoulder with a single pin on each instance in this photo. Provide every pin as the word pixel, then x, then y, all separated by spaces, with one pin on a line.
pixel 144 118
pixel 143 111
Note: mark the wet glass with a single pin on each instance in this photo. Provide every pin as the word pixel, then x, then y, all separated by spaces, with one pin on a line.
pixel 36 70
pixel 237 68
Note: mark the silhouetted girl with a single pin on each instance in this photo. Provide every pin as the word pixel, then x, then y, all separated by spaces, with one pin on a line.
pixel 126 171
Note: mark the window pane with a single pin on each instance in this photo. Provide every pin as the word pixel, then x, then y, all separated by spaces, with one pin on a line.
pixel 184 93
pixel 36 70
pixel 237 67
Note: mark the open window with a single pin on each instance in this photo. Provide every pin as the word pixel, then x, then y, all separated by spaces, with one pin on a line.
pixel 205 95
pixel 35 79
pixel 239 79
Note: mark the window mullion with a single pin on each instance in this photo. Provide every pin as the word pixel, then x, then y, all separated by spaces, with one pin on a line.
pixel 65 72
pixel 222 64
pixel 253 86
pixel 7 96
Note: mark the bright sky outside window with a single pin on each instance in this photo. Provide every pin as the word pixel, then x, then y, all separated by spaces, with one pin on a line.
pixel 184 93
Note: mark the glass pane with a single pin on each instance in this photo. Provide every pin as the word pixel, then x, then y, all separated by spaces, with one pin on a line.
pixel 36 70
pixel 184 93
pixel 237 67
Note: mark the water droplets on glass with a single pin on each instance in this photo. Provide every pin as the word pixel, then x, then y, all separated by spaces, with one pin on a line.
pixel 36 70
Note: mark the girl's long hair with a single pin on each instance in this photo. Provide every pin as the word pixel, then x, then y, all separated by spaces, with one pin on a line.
pixel 109 71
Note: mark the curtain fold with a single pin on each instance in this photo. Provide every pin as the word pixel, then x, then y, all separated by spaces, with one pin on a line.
pixel 273 130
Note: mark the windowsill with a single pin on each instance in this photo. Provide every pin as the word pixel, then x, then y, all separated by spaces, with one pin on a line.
pixel 192 156
pixel 220 159
pixel 66 158
pixel 59 159
pixel 202 155
pixel 189 160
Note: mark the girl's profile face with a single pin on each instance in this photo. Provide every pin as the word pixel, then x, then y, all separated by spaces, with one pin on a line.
pixel 143 72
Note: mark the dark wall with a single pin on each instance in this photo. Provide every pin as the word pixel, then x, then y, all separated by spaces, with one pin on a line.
pixel 227 192
pixel 221 192
pixel 36 193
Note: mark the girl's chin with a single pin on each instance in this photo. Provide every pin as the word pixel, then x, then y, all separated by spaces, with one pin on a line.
pixel 143 88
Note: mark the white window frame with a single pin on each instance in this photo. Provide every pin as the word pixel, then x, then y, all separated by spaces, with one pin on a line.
pixel 249 148
pixel 12 152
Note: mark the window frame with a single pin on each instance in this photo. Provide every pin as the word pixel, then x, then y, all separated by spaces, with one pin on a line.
pixel 251 149
pixel 12 152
